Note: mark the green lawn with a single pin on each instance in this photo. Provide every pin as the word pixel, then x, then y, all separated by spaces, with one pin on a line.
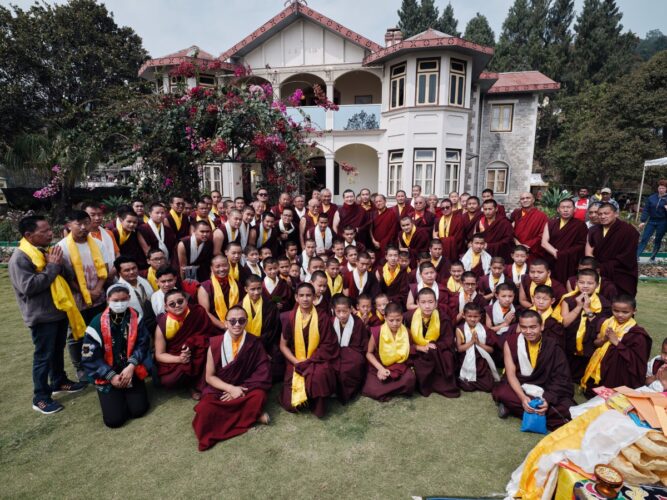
pixel 417 446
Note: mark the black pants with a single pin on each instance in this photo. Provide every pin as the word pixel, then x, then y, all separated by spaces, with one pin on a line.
pixel 48 360
pixel 120 405
pixel 74 346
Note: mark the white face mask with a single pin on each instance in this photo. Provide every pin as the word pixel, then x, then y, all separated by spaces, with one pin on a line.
pixel 119 307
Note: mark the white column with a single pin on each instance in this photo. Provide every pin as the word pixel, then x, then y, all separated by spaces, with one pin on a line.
pixel 329 162
pixel 382 174
pixel 330 116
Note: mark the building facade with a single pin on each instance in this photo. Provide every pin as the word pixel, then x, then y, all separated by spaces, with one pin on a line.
pixel 417 111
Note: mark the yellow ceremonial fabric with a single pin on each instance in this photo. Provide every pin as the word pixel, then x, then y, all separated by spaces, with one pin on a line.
pixel 443 227
pixel 567 437
pixel 594 368
pixel 173 325
pixel 60 290
pixel 313 217
pixel 122 235
pixel 335 285
pixel 233 234
pixel 533 351
pixel 534 285
pixel 219 298
pixel 548 313
pixel 236 343
pixel 234 271
pixel 562 223
pixel 475 260
pixel 417 328
pixel 265 236
pixel 178 219
pixel 206 219
pixel 388 275
pixel 379 315
pixel 453 286
pixel 146 219
pixel 150 276
pixel 77 265
pixel 393 349
pixel 605 230
pixel 596 307
pixel 299 395
pixel 408 238
pixel 254 325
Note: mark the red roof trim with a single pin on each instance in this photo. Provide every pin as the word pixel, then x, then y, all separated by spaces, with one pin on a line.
pixel 313 15
pixel 523 88
pixel 175 61
pixel 426 43
pixel 488 75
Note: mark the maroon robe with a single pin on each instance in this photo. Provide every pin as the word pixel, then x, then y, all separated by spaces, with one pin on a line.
pixel 270 338
pixel 607 287
pixel 444 298
pixel 224 286
pixel 616 254
pixel 282 294
pixel 469 225
pixel 436 369
pixel 570 243
pixel 319 370
pixel 131 248
pixel 355 216
pixel 624 364
pixel 273 241
pixel 203 260
pixel 501 338
pixel 384 229
pixel 559 290
pixel 656 366
pixel 454 305
pixel 217 420
pixel 351 365
pixel 424 221
pixel 452 245
pixel 401 381
pixel 442 270
pixel 333 208
pixel 398 290
pixel 408 210
pixel 170 241
pixel 498 236
pixel 528 229
pixel 194 333
pixel 185 226
pixel 551 373
pixel 419 243
pixel 485 381
pixel 371 286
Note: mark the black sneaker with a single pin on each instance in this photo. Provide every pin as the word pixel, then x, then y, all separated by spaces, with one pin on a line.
pixel 47 406
pixel 69 387
pixel 503 412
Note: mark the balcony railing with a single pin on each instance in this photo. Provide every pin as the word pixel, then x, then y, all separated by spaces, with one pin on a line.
pixel 317 115
pixel 357 117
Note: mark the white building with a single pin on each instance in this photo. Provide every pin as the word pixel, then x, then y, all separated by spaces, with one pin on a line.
pixel 430 114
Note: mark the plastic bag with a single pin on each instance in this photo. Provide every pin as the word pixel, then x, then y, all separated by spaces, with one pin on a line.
pixel 532 422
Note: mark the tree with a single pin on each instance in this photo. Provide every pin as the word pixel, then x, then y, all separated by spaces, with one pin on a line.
pixel 479 31
pixel 512 49
pixel 559 38
pixel 654 42
pixel 428 14
pixel 447 22
pixel 409 18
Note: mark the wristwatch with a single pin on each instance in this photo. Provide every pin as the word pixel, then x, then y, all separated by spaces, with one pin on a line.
pixel 590 315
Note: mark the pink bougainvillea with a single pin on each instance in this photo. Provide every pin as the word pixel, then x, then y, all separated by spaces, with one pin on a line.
pixel 54 186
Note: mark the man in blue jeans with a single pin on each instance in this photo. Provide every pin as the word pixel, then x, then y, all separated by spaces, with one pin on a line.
pixel 654 219
pixel 32 271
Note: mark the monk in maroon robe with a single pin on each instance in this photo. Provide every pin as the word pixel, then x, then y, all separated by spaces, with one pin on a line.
pixel 318 369
pixel 486 372
pixel 549 371
pixel 168 237
pixel 180 227
pixel 414 240
pixel 451 233
pixel 529 225
pixel 200 239
pixel 351 214
pixel 361 274
pixel 564 242
pixel 421 217
pixel 181 354
pixel 614 244
pixel 403 207
pixel 384 226
pixel 237 386
pixel 395 284
pixel 130 243
pixel 498 232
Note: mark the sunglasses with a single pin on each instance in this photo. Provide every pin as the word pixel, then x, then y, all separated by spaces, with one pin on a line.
pixel 239 321
pixel 262 194
pixel 176 303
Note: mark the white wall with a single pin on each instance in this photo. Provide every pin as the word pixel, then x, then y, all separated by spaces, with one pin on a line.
pixel 365 159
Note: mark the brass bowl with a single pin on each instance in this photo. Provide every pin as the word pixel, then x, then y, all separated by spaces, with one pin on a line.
pixel 609 481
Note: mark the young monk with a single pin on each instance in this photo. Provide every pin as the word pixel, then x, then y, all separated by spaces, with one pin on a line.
pixel 467 294
pixel 195 253
pixel 338 250
pixel 438 260
pixel 129 241
pixel 429 280
pixel 322 299
pixel 377 317
pixel 392 279
pixel 606 287
pixel 364 308
pixel 275 288
pixel 219 293
pixel 360 281
pixel 474 343
pixel 533 359
pixel 334 278
pixel 388 352
pixel 433 347
pixel 476 259
pixel 404 260
pixel 655 363
pixel 449 230
pixel 304 259
pixel 311 351
pixel 181 341
pixel 543 303
pixel 233 252
pixel 352 337
pixel 623 348
pixel 486 285
pixel 454 282
pixel 351 255
pixel 412 240
pixel 294 275
pixel 238 378
pixel 583 310
pixel 538 274
pixel 518 268
pixel 252 265
pixel 501 315
pixel 321 234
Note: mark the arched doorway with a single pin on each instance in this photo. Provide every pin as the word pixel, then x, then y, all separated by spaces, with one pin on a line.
pixel 305 82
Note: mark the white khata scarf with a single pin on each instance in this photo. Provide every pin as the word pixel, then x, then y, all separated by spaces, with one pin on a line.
pixel 468 371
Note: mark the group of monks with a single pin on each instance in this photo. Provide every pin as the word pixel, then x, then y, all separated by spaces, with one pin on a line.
pixel 428 295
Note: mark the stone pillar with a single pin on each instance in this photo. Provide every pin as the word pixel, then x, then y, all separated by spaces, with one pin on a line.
pixel 329 162
pixel 329 125
pixel 382 174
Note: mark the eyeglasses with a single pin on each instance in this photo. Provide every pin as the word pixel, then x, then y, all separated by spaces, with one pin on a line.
pixel 239 321
pixel 176 303
pixel 262 194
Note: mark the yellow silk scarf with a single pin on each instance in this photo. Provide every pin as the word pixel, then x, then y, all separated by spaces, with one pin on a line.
pixel 122 235
pixel 533 351
pixel 594 368
pixel 443 227
pixel 254 325
pixel 234 271
pixel 534 285
pixel 408 239
pixel 335 285
pixel 299 395
pixel 546 314
pixel 206 219
pixel 77 265
pixel 417 328
pixel 596 307
pixel 221 306
pixel 150 276
pixel 60 290
pixel 388 275
pixel 393 349
pixel 174 324
pixel 453 286
pixel 178 219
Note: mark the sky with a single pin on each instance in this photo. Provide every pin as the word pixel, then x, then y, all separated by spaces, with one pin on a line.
pixel 167 26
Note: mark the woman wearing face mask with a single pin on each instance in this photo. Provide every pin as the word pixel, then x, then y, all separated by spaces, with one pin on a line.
pixel 115 346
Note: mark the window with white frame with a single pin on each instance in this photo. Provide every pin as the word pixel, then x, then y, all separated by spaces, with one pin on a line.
pixel 501 117
pixel 206 81
pixel 452 169
pixel 423 173
pixel 395 172
pixel 496 178
pixel 212 179
pixel 397 86
pixel 457 82
pixel 427 81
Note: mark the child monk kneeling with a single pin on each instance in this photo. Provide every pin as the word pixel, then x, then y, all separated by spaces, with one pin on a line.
pixel 388 352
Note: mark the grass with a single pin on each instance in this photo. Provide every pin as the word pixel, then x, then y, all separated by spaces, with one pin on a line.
pixel 417 446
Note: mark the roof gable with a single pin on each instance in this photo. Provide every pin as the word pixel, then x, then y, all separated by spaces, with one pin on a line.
pixel 520 81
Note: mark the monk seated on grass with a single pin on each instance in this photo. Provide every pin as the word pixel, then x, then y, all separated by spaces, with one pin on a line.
pixel 388 351
pixel 238 378
pixel 538 361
